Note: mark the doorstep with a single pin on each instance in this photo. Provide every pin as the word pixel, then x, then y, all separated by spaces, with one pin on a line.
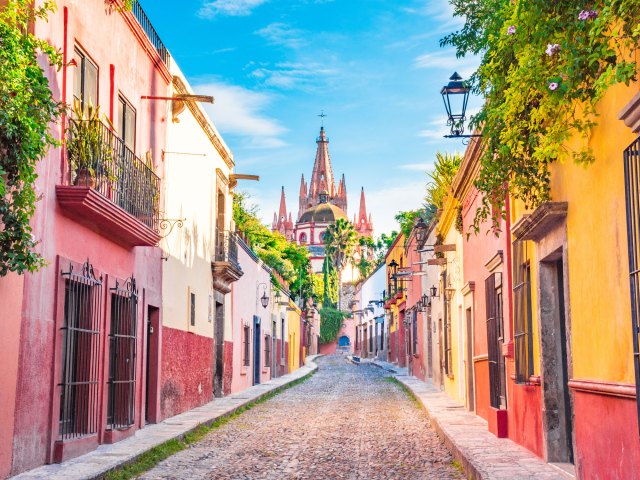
pixel 105 458
pixel 482 454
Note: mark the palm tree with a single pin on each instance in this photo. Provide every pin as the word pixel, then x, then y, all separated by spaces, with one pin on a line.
pixel 340 240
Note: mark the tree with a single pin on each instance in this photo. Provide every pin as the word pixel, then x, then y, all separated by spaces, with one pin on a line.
pixel 444 171
pixel 340 240
pixel 27 111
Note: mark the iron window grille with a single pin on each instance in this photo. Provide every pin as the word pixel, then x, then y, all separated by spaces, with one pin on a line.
pixel 495 339
pixel 192 309
pixel 267 350
pixel 522 315
pixel 632 198
pixel 79 388
pixel 123 341
pixel 282 343
pixel 448 351
pixel 247 346
pixel 414 333
pixel 113 170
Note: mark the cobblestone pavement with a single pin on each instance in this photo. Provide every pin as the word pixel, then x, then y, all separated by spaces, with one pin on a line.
pixel 346 422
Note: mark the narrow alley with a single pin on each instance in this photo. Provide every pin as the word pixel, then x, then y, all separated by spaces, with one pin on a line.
pixel 346 421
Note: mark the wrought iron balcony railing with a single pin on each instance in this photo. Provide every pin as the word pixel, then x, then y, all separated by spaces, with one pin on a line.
pixel 227 247
pixel 100 160
pixel 153 36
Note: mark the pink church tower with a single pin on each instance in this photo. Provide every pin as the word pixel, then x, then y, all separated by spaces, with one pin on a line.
pixel 282 222
pixel 363 223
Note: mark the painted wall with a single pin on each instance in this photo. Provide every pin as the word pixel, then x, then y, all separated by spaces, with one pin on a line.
pixel 115 43
pixel 245 303
pixel 293 337
pixel 195 174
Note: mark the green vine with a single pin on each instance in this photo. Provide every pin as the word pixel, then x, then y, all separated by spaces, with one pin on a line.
pixel 544 67
pixel 27 110
pixel 330 323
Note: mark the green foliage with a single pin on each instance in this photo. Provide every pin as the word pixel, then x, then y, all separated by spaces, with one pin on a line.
pixel 544 67
pixel 27 111
pixel 290 260
pixel 330 323
pixel 372 252
pixel 441 178
pixel 330 284
pixel 340 241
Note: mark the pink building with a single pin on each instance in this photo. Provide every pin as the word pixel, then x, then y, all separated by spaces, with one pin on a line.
pixel 85 368
pixel 253 354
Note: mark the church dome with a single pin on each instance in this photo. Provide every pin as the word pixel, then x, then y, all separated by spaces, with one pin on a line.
pixel 324 212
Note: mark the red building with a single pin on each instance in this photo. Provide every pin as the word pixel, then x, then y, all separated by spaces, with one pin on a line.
pixel 84 367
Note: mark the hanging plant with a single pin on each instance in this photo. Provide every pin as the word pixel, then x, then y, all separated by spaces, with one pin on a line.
pixel 545 66
pixel 27 110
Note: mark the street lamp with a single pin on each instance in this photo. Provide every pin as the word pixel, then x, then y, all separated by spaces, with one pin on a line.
pixel 434 292
pixel 425 301
pixel 421 232
pixel 455 96
pixel 264 299
pixel 394 270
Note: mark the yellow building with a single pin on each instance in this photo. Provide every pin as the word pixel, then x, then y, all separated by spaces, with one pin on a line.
pixel 573 251
pixel 449 313
pixel 293 325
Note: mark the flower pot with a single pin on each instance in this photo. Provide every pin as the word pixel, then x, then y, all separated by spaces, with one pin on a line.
pixel 84 178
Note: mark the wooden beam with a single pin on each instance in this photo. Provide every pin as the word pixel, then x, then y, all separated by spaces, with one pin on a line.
pixel 437 261
pixel 444 248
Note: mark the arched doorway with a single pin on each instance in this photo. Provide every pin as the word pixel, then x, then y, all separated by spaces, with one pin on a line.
pixel 344 341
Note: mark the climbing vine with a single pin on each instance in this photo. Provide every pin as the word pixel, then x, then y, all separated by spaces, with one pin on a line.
pixel 27 110
pixel 330 323
pixel 544 67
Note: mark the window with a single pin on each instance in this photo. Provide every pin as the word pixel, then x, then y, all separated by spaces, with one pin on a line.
pixel 414 333
pixel 122 355
pixel 522 315
pixel 192 308
pixel 282 346
pixel 303 238
pixel 267 350
pixel 85 82
pixel 631 174
pixel 247 346
pixel 495 339
pixel 126 123
pixel 448 354
pixel 79 392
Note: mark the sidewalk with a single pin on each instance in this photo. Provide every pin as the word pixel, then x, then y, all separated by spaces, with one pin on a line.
pixel 108 457
pixel 483 455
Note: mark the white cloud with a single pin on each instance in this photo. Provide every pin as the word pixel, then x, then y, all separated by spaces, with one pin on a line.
pixel 441 11
pixel 233 8
pixel 239 111
pixel 282 34
pixel 385 203
pixel 288 75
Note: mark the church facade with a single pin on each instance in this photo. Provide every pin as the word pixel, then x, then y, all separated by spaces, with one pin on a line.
pixel 320 204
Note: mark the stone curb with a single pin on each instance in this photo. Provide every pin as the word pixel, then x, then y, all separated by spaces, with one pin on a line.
pixel 483 457
pixel 95 465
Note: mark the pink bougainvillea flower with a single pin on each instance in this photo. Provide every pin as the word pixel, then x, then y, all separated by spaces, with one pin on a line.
pixel 552 49
pixel 587 15
pixel 553 86
pixel 511 30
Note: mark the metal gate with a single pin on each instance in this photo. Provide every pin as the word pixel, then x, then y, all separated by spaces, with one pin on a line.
pixel 79 389
pixel 123 341
pixel 632 197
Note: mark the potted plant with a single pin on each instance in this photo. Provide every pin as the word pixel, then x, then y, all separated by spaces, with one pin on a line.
pixel 87 151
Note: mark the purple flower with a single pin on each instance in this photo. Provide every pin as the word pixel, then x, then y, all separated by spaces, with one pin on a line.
pixel 553 86
pixel 552 49
pixel 511 30
pixel 587 15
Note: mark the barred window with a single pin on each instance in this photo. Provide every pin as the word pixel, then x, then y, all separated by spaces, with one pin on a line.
pixel 522 314
pixel 448 353
pixel 123 340
pixel 267 350
pixel 79 389
pixel 282 344
pixel 632 197
pixel 414 333
pixel 247 346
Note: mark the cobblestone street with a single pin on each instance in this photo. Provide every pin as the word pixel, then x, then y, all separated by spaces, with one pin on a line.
pixel 347 421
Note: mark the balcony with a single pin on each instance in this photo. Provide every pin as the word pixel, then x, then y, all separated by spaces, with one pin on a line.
pixel 225 267
pixel 151 33
pixel 108 188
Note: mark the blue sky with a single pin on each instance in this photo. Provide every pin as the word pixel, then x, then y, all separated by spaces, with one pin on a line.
pixel 373 66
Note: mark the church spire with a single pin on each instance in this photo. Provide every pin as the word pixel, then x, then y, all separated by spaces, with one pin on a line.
pixel 282 223
pixel 282 214
pixel 322 176
pixel 363 223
